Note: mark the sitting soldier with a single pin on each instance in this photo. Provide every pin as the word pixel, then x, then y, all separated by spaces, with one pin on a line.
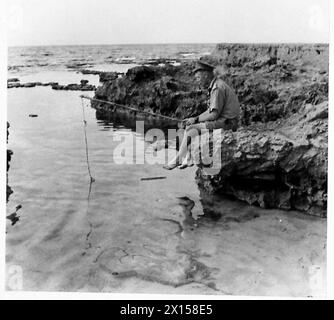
pixel 222 113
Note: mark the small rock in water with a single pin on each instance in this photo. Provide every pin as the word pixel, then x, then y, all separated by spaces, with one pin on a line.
pixel 84 82
pixel 13 80
pixel 29 85
pixel 83 86
pixel 33 115
pixel 13 218
pixel 13 85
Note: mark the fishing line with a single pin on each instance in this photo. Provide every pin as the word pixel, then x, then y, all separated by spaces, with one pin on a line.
pixel 86 142
pixel 131 108
pixel 89 233
pixel 87 238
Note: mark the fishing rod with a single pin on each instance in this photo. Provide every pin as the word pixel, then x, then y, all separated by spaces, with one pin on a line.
pixel 132 109
pixel 86 142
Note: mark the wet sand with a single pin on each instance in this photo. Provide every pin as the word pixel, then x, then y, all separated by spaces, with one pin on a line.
pixel 164 244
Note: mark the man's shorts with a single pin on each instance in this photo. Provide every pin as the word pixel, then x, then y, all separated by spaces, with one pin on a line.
pixel 223 123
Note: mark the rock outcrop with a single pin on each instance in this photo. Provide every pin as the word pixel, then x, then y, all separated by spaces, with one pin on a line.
pixel 169 90
pixel 271 81
pixel 279 156
pixel 282 164
pixel 82 86
pixel 275 80
pixel 12 80
pixel 103 76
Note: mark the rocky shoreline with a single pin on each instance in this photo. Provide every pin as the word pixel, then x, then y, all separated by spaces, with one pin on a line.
pixel 82 86
pixel 278 158
pixel 279 87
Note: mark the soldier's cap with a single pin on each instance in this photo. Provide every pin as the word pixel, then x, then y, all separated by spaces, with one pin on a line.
pixel 204 65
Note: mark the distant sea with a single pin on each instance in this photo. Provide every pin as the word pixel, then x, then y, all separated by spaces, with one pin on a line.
pixel 23 60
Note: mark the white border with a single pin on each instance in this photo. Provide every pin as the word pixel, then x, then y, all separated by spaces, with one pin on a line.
pixel 118 296
pixel 330 209
pixel 3 138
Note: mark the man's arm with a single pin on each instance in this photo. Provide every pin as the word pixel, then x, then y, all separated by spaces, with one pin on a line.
pixel 205 116
pixel 208 116
pixel 216 104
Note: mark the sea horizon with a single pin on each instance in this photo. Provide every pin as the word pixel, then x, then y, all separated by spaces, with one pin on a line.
pixel 167 43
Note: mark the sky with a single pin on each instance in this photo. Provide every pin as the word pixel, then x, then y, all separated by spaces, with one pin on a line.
pixel 71 22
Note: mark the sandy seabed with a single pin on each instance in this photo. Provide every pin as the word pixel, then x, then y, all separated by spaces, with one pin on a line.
pixel 169 247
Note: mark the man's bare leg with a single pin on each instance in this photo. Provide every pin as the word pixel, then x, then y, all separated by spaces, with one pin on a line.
pixel 179 156
pixel 191 131
pixel 187 162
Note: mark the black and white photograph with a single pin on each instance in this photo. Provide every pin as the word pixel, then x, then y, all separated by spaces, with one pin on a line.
pixel 166 147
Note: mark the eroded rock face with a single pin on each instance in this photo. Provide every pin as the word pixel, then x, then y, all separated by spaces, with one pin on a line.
pixel 277 165
pixel 241 55
pixel 169 90
pixel 271 82
pixel 108 76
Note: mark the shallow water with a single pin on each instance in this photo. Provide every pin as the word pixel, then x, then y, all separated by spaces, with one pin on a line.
pixel 121 234
pixel 99 57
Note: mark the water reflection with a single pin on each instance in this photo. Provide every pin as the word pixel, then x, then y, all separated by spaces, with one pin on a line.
pixel 211 205
pixel 225 209
pixel 124 120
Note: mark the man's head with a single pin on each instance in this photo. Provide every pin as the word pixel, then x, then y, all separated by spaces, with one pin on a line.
pixel 203 78
pixel 204 73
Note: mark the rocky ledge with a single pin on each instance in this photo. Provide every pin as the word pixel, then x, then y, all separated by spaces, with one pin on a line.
pixel 278 158
pixel 281 164
pixel 103 76
pixel 82 86
pixel 168 90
